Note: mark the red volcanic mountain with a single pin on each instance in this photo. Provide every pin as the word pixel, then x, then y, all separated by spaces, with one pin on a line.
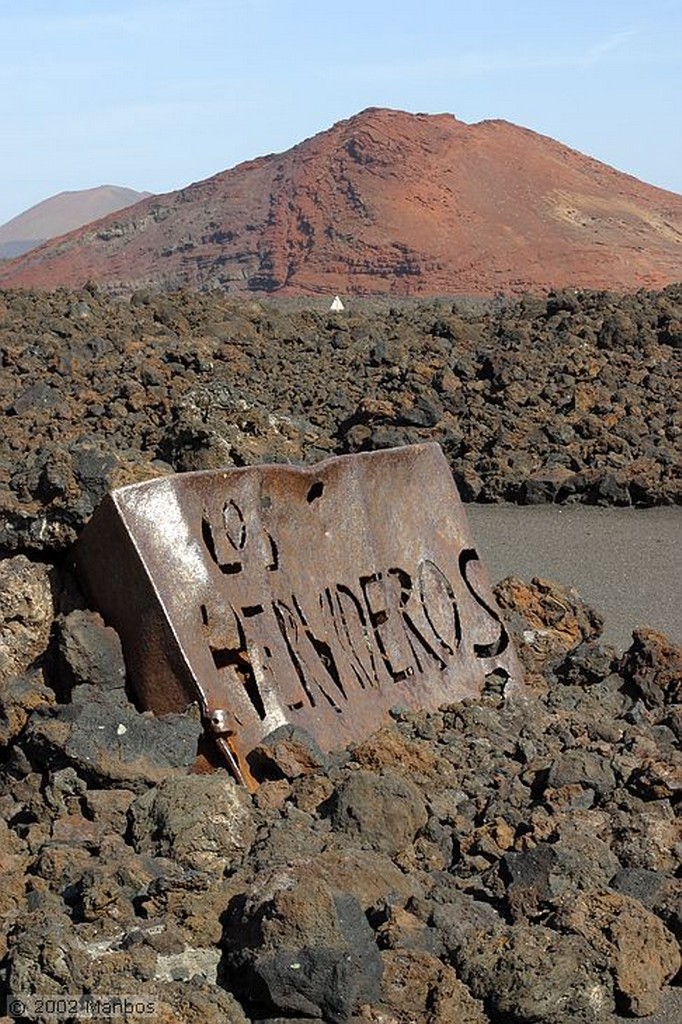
pixel 62 213
pixel 386 202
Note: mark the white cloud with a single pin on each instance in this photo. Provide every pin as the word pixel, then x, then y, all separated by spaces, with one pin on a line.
pixel 609 45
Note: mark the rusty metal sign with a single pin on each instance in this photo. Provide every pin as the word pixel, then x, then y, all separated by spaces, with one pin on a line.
pixel 319 596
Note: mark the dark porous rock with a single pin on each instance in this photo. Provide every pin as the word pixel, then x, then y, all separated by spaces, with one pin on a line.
pixel 310 791
pixel 14 865
pixel 108 808
pixel 668 907
pixel 583 768
pixel 381 811
pixel 112 744
pixel 643 955
pixel 586 664
pixel 90 653
pixel 48 957
pixel 640 884
pixel 538 879
pixel 217 425
pixel 544 485
pixel 659 892
pixel 652 666
pixel 289 839
pixel 528 880
pixel 27 609
pixel 39 395
pixel 102 895
pixel 190 900
pixel 469 482
pixel 532 974
pixel 529 405
pixel 94 470
pixel 192 999
pixel 611 489
pixel 658 777
pixel 460 922
pixel 398 928
pixel 296 945
pixel 124 962
pixel 204 822
pixel 644 833
pixel 43 953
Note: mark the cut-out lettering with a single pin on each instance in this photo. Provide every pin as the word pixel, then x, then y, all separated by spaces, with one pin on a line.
pixel 490 650
pixel 439 604
pixel 315 492
pixel 278 595
pixel 273 564
pixel 382 598
pixel 353 632
pixel 302 658
pixel 234 525
pixel 228 568
pixel 230 653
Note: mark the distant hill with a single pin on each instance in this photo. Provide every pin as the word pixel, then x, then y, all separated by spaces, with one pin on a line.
pixel 62 213
pixel 386 203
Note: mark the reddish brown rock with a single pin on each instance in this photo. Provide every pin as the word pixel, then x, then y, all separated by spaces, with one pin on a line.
pixel 389 749
pixel 386 202
pixel 419 987
pixel 19 697
pixel 369 876
pixel 14 863
pixel 546 619
pixel 642 953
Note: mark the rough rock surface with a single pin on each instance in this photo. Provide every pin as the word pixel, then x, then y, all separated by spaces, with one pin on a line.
pixel 26 613
pixel 575 397
pixel 642 953
pixel 297 945
pixel 199 821
pixel 386 202
pixel 489 862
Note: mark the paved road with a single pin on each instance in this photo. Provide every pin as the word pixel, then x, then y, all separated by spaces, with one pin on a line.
pixel 626 563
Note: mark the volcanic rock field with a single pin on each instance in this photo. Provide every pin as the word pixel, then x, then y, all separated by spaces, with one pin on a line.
pixel 499 861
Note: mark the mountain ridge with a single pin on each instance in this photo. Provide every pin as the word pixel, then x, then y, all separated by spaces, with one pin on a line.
pixel 61 213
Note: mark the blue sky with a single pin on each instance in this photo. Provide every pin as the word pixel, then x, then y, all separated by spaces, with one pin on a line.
pixel 155 94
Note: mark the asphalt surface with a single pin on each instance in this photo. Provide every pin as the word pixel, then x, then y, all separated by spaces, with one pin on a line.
pixel 626 563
